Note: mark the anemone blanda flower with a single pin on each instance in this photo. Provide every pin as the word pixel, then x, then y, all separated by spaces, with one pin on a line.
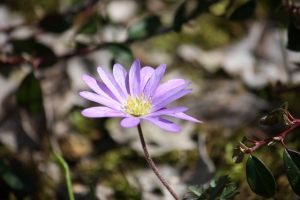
pixel 136 95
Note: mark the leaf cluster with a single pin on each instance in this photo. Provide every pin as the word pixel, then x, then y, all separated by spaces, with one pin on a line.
pixel 218 189
pixel 259 177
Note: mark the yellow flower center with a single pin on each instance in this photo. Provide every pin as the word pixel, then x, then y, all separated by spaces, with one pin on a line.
pixel 136 106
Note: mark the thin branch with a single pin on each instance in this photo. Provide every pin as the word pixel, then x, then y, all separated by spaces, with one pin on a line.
pixel 279 138
pixel 12 61
pixel 71 11
pixel 79 8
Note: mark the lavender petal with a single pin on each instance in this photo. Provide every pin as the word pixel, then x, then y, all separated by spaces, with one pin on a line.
pixel 101 100
pixel 111 83
pixel 146 73
pixel 135 79
pixel 181 115
pixel 154 80
pixel 170 96
pixel 166 87
pixel 164 124
pixel 99 112
pixel 120 76
pixel 165 111
pixel 98 87
pixel 130 122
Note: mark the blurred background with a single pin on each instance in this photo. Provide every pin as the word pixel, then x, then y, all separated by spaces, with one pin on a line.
pixel 241 56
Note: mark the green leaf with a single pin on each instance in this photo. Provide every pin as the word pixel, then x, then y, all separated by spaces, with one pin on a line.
pixel 277 115
pixel 213 183
pixel 29 95
pixel 12 181
pixel 90 26
pixel 284 106
pixel 229 193
pixel 56 23
pixel 194 189
pixel 218 189
pixel 218 186
pixel 293 37
pixel 198 190
pixel 120 50
pixel 184 197
pixel 273 118
pixel 179 18
pixel 33 48
pixel 30 46
pixel 143 28
pixel 237 156
pixel 17 177
pixel 244 11
pixel 245 139
pixel 291 161
pixel 259 178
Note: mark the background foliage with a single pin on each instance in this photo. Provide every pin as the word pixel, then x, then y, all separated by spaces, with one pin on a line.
pixel 241 55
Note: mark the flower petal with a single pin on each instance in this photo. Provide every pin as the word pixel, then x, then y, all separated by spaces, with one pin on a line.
pixel 98 112
pixel 130 122
pixel 164 124
pixel 166 87
pixel 120 76
pixel 165 111
pixel 181 115
pixel 100 99
pixel 172 95
pixel 111 83
pixel 146 73
pixel 98 87
pixel 154 80
pixel 135 79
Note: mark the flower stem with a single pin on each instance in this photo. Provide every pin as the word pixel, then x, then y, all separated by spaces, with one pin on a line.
pixel 67 175
pixel 152 165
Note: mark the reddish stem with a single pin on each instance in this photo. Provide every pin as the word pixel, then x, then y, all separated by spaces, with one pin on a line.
pixel 295 125
pixel 282 135
pixel 36 61
pixel 290 116
pixel 152 165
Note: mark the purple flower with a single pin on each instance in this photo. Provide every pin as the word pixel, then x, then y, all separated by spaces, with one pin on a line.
pixel 136 95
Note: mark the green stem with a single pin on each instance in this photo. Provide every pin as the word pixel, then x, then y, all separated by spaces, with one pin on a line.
pixel 152 165
pixel 67 175
pixel 92 190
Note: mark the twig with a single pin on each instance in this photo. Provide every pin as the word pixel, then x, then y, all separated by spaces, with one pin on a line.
pixel 71 11
pixel 279 138
pixel 12 61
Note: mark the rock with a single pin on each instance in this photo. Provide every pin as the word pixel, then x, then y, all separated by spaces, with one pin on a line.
pixel 158 141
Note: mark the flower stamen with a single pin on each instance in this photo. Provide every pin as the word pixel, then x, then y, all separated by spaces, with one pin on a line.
pixel 136 106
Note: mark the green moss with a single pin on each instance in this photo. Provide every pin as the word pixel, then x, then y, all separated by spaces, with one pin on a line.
pixel 206 31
